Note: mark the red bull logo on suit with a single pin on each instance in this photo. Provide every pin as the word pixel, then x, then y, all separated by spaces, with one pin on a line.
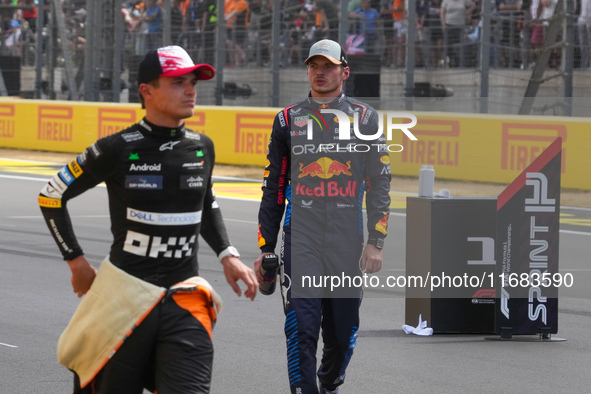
pixel 325 168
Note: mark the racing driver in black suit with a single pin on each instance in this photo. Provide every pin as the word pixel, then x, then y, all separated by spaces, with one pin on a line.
pixel 159 183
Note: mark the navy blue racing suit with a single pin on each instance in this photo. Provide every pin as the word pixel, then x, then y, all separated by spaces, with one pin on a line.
pixel 324 180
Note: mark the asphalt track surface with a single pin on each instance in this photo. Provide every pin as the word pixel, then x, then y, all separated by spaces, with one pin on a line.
pixel 37 302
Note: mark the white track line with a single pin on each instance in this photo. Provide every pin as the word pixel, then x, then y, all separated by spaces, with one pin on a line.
pixel 241 221
pixel 7 345
pixel 36 161
pixel 254 199
pixel 575 232
pixel 24 178
pixel 576 208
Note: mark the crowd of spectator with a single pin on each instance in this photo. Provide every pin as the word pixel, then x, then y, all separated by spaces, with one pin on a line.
pixel 17 25
pixel 448 32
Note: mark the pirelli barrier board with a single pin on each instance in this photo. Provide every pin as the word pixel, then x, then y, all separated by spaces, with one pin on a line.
pixel 527 249
pixel 472 147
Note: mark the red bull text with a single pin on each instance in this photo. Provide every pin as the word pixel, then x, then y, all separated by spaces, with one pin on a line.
pixel 327 189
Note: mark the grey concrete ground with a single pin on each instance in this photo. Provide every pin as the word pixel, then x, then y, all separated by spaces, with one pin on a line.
pixel 36 302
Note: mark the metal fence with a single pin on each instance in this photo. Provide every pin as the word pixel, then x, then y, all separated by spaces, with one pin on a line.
pixel 497 61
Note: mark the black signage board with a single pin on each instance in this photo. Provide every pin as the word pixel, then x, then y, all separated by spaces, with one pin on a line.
pixel 527 248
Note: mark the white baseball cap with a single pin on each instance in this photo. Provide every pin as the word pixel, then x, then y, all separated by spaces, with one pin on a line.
pixel 171 61
pixel 330 50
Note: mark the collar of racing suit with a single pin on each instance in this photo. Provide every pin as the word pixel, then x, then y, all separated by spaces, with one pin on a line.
pixel 330 104
pixel 161 131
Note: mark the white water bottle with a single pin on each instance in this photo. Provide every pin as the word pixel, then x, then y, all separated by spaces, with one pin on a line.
pixel 426 181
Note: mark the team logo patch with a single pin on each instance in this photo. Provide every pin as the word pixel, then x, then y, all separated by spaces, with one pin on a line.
pixel 351 120
pixel 143 182
pixel 59 185
pixel 47 202
pixel 325 168
pixel 50 191
pixel 281 119
pixel 382 225
pixel 133 136
pixel 145 167
pixel 301 121
pixel 163 219
pixel 172 59
pixel 66 175
pixel 82 158
pixel 192 135
pixel 194 165
pixel 192 182
pixel 155 247
pixel 75 169
pixel 307 204
pixel 145 125
pixel 295 133
pixel 94 151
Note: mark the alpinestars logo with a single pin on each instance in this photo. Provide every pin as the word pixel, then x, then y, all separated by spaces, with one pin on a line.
pixel 169 145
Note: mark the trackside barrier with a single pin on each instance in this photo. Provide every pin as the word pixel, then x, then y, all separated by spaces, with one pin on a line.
pixel 486 148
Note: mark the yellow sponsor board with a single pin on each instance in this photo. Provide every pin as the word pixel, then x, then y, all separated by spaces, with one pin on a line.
pixel 486 148
pixel 489 148
pixel 61 126
pixel 241 134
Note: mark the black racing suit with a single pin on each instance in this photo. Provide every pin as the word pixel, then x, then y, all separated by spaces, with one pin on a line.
pixel 160 199
pixel 323 180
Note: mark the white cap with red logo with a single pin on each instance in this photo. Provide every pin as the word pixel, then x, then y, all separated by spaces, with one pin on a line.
pixel 171 61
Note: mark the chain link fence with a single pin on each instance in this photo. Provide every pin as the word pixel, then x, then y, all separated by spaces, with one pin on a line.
pixel 503 56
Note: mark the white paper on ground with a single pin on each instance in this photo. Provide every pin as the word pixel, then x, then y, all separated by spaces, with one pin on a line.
pixel 421 329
